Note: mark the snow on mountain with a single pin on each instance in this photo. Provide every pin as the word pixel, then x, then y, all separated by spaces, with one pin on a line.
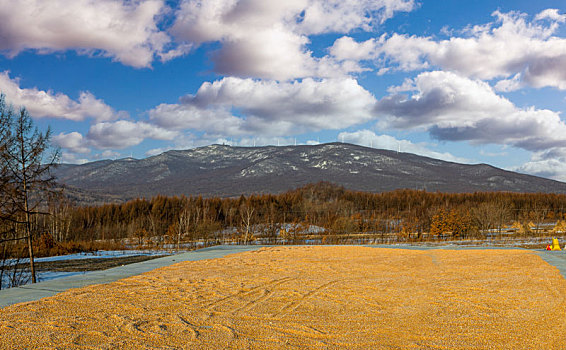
pixel 220 170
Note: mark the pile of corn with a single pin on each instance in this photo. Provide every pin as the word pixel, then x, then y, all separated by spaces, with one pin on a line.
pixel 310 297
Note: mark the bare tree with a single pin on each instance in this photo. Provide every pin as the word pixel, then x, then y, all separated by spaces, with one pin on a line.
pixel 60 218
pixel 489 217
pixel 485 217
pixel 6 116
pixel 28 165
pixel 184 224
pixel 151 218
pixel 537 214
pixel 247 215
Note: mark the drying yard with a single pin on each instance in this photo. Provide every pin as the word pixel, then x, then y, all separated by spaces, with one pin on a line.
pixel 310 298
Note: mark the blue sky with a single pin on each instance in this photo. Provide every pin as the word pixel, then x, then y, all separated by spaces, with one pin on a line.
pixel 465 81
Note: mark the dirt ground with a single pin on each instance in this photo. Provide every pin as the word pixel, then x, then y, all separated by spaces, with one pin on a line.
pixel 310 298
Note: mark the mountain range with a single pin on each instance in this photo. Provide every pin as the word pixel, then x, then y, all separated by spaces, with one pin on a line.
pixel 226 171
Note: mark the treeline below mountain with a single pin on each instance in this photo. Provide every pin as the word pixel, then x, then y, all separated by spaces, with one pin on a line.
pixel 323 212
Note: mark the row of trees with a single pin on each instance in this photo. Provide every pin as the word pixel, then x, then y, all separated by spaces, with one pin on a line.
pixel 25 181
pixel 320 210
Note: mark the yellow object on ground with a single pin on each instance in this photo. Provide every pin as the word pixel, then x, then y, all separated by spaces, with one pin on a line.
pixel 290 298
pixel 555 245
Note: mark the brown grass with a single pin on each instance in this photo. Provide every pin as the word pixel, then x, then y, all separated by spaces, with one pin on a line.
pixel 310 297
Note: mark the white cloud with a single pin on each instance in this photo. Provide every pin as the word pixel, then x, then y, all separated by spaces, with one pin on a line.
pixel 72 141
pixel 123 134
pixel 400 52
pixel 507 85
pixel 215 20
pixel 455 108
pixel 508 47
pixel 156 151
pixel 268 39
pixel 42 104
pixel 550 163
pixel 108 154
pixel 343 16
pixel 551 14
pixel 235 106
pixel 126 31
pixel 346 48
pixel 186 116
pixel 549 168
pixel 369 139
pixel 72 158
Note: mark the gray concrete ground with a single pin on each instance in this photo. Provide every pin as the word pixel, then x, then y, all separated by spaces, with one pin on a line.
pixel 40 290
pixel 555 258
pixel 52 287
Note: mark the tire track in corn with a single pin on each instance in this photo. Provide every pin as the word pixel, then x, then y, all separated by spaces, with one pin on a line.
pixel 294 305
pixel 265 294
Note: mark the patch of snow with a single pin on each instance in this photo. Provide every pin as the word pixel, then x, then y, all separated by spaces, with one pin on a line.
pixel 247 172
pixel 321 165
